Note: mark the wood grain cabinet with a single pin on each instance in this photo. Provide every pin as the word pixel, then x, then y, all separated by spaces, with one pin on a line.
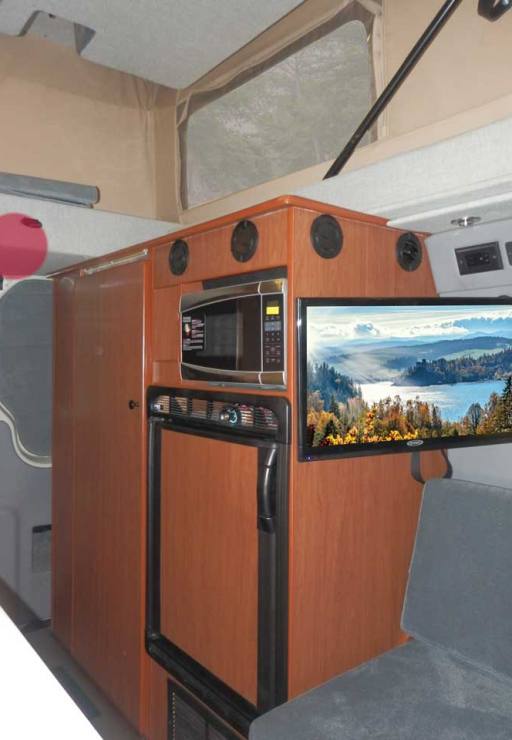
pixel 98 559
pixel 351 521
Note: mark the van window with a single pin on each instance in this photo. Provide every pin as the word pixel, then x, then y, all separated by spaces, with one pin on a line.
pixel 296 113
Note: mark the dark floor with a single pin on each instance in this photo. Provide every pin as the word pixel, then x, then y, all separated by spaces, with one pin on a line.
pixel 100 712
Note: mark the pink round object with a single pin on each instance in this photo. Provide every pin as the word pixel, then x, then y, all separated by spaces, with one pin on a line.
pixel 23 245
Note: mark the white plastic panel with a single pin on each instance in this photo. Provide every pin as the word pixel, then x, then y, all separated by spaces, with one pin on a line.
pixel 76 234
pixel 441 249
pixel 490 463
pixel 424 189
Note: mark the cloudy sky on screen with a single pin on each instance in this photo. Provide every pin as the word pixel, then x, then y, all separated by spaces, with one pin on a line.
pixel 355 325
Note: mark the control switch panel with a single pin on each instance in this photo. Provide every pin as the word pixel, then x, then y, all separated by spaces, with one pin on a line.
pixel 479 258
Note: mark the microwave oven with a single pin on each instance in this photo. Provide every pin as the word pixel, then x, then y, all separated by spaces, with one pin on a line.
pixel 235 335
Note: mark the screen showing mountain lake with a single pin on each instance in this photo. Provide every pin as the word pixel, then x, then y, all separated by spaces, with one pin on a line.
pixel 392 373
pixel 452 400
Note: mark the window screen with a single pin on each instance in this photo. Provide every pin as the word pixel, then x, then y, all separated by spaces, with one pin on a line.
pixel 294 114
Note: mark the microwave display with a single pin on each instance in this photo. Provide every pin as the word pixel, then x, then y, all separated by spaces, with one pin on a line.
pixel 235 335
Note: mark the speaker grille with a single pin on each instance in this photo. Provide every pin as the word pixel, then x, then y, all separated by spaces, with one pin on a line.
pixel 326 236
pixel 178 257
pixel 244 241
pixel 409 252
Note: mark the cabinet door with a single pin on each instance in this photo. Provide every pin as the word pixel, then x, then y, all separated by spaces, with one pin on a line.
pixel 107 516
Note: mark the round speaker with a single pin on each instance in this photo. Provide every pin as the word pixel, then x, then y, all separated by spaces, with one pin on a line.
pixel 244 240
pixel 178 257
pixel 409 252
pixel 326 236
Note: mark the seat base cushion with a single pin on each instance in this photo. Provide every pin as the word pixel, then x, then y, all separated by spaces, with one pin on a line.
pixel 415 692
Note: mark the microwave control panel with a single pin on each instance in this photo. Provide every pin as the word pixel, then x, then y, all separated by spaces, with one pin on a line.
pixel 273 332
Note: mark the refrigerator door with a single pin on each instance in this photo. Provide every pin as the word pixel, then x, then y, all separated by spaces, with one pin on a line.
pixel 209 556
pixel 217 555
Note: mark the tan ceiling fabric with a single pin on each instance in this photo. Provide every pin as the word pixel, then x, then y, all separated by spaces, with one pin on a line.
pixel 164 123
pixel 68 119
pixel 297 27
pixel 467 66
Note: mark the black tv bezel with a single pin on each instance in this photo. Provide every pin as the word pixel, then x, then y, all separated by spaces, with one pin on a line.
pixel 310 454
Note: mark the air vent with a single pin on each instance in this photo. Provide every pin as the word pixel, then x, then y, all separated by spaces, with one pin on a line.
pixel 178 257
pixel 409 252
pixel 236 415
pixel 190 720
pixel 244 241
pixel 326 236
pixel 161 405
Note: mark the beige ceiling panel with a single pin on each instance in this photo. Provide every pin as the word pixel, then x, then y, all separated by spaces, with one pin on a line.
pixel 172 42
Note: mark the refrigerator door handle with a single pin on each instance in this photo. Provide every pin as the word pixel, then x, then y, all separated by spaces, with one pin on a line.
pixel 266 493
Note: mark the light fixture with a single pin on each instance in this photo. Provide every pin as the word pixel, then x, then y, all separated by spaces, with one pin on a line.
pixel 465 221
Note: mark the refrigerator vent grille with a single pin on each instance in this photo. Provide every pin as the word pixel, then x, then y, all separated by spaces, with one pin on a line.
pixel 248 417
pixel 189 720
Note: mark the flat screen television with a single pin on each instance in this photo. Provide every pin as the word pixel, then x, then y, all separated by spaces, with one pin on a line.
pixel 381 376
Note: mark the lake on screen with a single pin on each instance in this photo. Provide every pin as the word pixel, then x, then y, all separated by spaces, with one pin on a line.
pixel 453 400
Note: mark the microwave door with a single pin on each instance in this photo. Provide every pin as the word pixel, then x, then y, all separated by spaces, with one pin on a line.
pixel 222 340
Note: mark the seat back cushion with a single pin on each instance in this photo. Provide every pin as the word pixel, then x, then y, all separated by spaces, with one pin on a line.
pixel 459 593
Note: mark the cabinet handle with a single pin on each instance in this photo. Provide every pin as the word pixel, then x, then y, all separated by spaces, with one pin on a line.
pixel 133 404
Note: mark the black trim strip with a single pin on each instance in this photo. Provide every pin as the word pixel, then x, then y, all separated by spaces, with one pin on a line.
pixel 248 277
pixel 39 528
pixel 213 692
pixel 153 533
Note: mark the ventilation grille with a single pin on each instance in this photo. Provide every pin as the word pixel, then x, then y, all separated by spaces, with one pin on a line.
pixel 189 720
pixel 237 415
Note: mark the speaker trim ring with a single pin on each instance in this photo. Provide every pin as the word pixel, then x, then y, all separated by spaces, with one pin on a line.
pixel 244 251
pixel 178 263
pixel 326 236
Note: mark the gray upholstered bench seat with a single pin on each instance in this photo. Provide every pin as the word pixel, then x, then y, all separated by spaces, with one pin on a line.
pixel 454 681
pixel 415 692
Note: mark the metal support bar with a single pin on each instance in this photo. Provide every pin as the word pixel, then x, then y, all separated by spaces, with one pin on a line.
pixel 388 93
pixel 137 257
